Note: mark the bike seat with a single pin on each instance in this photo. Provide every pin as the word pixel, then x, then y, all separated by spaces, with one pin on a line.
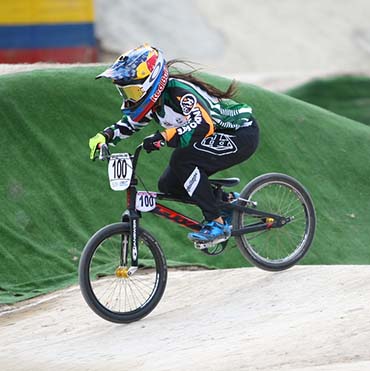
pixel 226 182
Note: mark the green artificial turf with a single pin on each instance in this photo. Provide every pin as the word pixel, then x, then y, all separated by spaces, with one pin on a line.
pixel 53 198
pixel 347 96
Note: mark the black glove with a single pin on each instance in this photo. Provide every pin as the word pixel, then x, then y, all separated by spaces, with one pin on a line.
pixel 153 142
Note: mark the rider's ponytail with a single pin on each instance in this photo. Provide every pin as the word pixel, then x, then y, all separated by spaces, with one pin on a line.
pixel 189 76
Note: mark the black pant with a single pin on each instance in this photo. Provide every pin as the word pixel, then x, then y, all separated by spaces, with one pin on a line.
pixel 191 166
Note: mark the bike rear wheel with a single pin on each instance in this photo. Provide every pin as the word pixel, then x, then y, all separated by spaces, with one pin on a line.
pixel 276 249
pixel 108 285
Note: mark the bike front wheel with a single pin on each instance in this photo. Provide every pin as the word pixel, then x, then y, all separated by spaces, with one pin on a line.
pixel 276 249
pixel 114 290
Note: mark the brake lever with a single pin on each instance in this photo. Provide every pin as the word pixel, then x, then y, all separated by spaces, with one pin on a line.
pixel 103 151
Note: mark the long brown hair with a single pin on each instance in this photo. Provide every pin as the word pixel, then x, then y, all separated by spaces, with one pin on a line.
pixel 189 76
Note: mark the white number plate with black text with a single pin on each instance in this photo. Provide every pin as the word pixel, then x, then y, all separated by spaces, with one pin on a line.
pixel 145 201
pixel 120 171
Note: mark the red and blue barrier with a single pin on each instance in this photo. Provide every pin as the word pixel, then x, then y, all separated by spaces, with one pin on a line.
pixel 47 30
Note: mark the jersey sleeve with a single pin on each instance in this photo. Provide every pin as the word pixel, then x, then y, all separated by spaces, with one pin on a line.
pixel 124 128
pixel 199 123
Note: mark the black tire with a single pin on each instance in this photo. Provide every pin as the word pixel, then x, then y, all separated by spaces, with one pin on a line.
pixel 277 249
pixel 130 297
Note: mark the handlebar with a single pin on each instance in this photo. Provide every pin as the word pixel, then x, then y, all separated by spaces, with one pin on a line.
pixel 105 153
pixel 136 155
pixel 117 161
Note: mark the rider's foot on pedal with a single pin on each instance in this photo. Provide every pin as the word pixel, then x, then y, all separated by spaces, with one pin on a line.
pixel 227 214
pixel 211 232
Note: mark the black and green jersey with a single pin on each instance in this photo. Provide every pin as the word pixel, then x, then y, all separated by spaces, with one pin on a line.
pixel 188 114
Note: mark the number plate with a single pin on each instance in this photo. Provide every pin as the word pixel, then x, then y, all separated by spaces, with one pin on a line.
pixel 145 201
pixel 120 171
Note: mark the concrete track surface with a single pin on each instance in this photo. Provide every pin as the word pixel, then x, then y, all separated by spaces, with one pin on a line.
pixel 306 318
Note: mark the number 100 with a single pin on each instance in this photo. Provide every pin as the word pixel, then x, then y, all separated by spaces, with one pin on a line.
pixel 120 169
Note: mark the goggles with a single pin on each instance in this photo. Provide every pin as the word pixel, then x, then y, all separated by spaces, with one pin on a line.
pixel 131 92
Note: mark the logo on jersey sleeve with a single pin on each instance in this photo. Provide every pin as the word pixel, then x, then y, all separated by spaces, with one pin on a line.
pixel 187 103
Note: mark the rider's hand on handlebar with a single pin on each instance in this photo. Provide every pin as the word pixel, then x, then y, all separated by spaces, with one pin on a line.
pixel 94 143
pixel 153 142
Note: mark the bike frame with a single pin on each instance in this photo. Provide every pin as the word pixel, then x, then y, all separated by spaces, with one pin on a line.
pixel 132 216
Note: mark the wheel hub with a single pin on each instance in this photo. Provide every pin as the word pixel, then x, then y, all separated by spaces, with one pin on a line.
pixel 122 272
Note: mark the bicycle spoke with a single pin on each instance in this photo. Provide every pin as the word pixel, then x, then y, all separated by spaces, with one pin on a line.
pixel 282 243
pixel 126 293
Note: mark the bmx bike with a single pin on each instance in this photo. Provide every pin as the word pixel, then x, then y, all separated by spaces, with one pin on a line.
pixel 123 270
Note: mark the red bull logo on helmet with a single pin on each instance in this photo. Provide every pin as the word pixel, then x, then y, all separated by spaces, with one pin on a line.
pixel 161 86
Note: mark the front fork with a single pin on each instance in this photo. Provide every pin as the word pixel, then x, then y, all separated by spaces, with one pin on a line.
pixel 130 241
pixel 134 226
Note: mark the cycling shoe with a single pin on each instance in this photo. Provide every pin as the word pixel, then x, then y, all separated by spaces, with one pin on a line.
pixel 211 232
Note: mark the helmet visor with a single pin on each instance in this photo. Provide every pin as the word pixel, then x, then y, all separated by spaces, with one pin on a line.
pixel 131 92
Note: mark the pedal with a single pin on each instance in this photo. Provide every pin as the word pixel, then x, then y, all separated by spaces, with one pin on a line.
pixel 202 246
pixel 206 245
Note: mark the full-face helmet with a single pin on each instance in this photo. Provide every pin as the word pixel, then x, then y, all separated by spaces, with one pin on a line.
pixel 140 76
